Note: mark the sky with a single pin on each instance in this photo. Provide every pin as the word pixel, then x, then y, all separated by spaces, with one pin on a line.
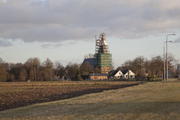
pixel 64 30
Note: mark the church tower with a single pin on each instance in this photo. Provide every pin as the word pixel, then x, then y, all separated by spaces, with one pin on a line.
pixel 103 59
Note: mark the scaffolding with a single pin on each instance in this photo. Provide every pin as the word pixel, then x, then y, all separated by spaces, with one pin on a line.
pixel 103 59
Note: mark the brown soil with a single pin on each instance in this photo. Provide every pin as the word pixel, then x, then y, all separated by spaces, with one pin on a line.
pixel 40 95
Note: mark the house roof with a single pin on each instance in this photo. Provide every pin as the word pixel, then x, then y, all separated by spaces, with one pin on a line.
pixel 125 71
pixel 117 70
pixel 90 61
pixel 98 74
pixel 114 72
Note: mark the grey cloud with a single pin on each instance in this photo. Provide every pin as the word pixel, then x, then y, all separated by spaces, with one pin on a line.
pixel 51 45
pixel 5 43
pixel 152 14
pixel 59 20
pixel 46 45
pixel 73 42
pixel 58 45
pixel 174 13
pixel 177 40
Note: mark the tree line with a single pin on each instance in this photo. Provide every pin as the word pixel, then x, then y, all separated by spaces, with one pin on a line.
pixel 154 67
pixel 34 70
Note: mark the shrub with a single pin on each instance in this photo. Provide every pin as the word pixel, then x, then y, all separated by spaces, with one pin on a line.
pixel 153 77
pixel 148 78
pixel 78 77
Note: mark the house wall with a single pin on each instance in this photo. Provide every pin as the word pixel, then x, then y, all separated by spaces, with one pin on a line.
pixel 118 75
pixel 98 77
pixel 131 75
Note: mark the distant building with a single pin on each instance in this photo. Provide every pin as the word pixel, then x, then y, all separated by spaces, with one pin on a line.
pixel 98 76
pixel 169 73
pixel 178 68
pixel 102 57
pixel 90 61
pixel 116 74
pixel 128 74
pixel 123 74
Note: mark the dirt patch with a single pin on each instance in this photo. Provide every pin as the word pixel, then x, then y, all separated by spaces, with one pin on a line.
pixel 24 98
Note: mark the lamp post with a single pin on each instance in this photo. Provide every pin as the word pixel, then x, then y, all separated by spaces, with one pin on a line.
pixel 167 54
pixel 165 60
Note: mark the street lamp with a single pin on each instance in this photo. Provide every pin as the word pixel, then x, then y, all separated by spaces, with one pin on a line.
pixel 167 54
pixel 164 59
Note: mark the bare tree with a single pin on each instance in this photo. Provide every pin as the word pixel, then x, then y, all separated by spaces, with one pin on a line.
pixel 171 60
pixel 59 69
pixel 156 65
pixel 31 74
pixel 36 63
pixel 177 71
pixel 71 69
pixel 127 65
pixel 23 74
pixel 49 67
pixel 15 70
pixel 3 72
pixel 146 66
pixel 33 63
pixel 89 56
pixel 86 68
pixel 139 65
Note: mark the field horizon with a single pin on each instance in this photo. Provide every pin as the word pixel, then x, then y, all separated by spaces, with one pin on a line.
pixel 153 100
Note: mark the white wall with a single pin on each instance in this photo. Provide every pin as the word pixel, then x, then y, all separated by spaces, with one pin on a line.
pixel 131 75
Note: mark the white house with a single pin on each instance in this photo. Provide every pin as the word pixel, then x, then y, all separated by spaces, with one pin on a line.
pixel 123 74
pixel 117 74
pixel 129 73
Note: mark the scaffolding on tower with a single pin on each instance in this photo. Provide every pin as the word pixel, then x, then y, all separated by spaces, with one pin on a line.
pixel 103 59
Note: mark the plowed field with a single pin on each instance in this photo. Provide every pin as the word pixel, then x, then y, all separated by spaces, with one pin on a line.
pixel 17 95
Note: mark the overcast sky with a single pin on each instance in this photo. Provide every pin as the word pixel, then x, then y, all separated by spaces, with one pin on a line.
pixel 64 30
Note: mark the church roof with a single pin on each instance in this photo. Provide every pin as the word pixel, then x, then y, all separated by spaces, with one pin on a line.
pixel 90 61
